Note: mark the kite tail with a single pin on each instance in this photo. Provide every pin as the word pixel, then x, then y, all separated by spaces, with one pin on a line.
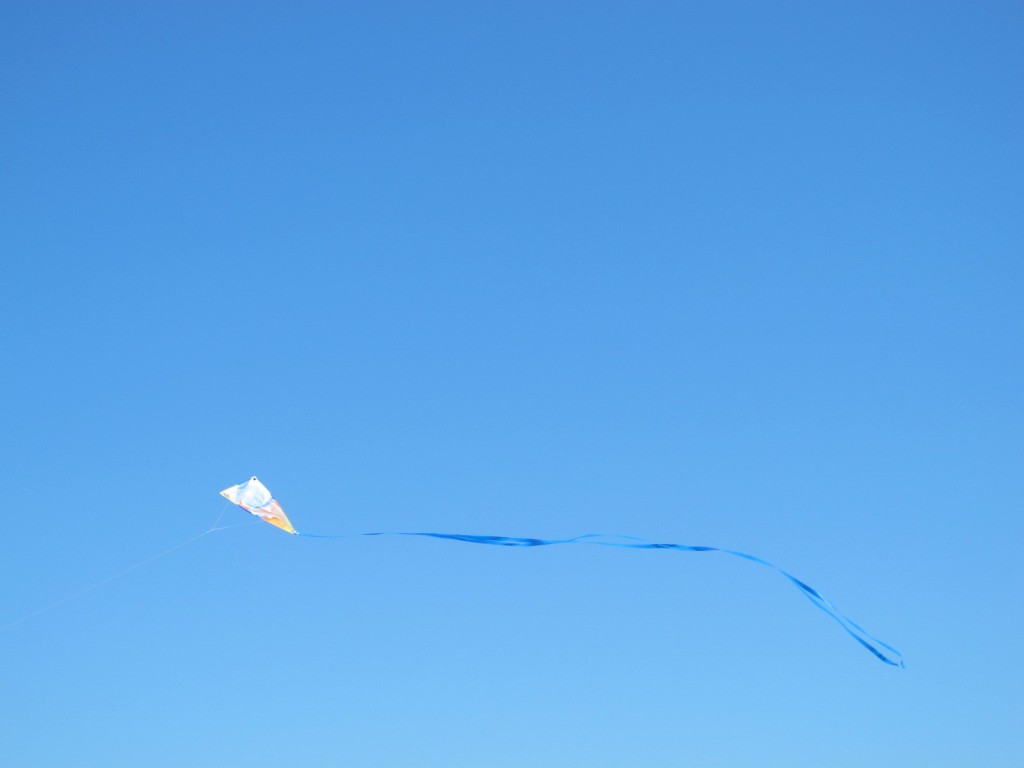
pixel 854 630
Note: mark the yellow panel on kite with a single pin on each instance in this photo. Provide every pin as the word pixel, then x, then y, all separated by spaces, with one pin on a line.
pixel 254 497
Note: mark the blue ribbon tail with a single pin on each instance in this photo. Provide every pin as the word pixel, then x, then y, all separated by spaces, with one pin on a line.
pixel 854 630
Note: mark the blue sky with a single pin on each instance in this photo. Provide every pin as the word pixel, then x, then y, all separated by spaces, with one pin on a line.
pixel 727 273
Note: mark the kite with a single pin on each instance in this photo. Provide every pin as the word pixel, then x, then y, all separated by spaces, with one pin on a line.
pixel 256 499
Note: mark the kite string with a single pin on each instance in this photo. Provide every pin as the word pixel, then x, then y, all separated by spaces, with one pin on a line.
pixel 106 580
pixel 101 582
pixel 216 522
pixel 236 525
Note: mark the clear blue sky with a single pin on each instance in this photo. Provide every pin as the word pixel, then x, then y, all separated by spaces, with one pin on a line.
pixel 732 273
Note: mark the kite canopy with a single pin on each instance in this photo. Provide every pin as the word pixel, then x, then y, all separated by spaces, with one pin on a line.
pixel 254 497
